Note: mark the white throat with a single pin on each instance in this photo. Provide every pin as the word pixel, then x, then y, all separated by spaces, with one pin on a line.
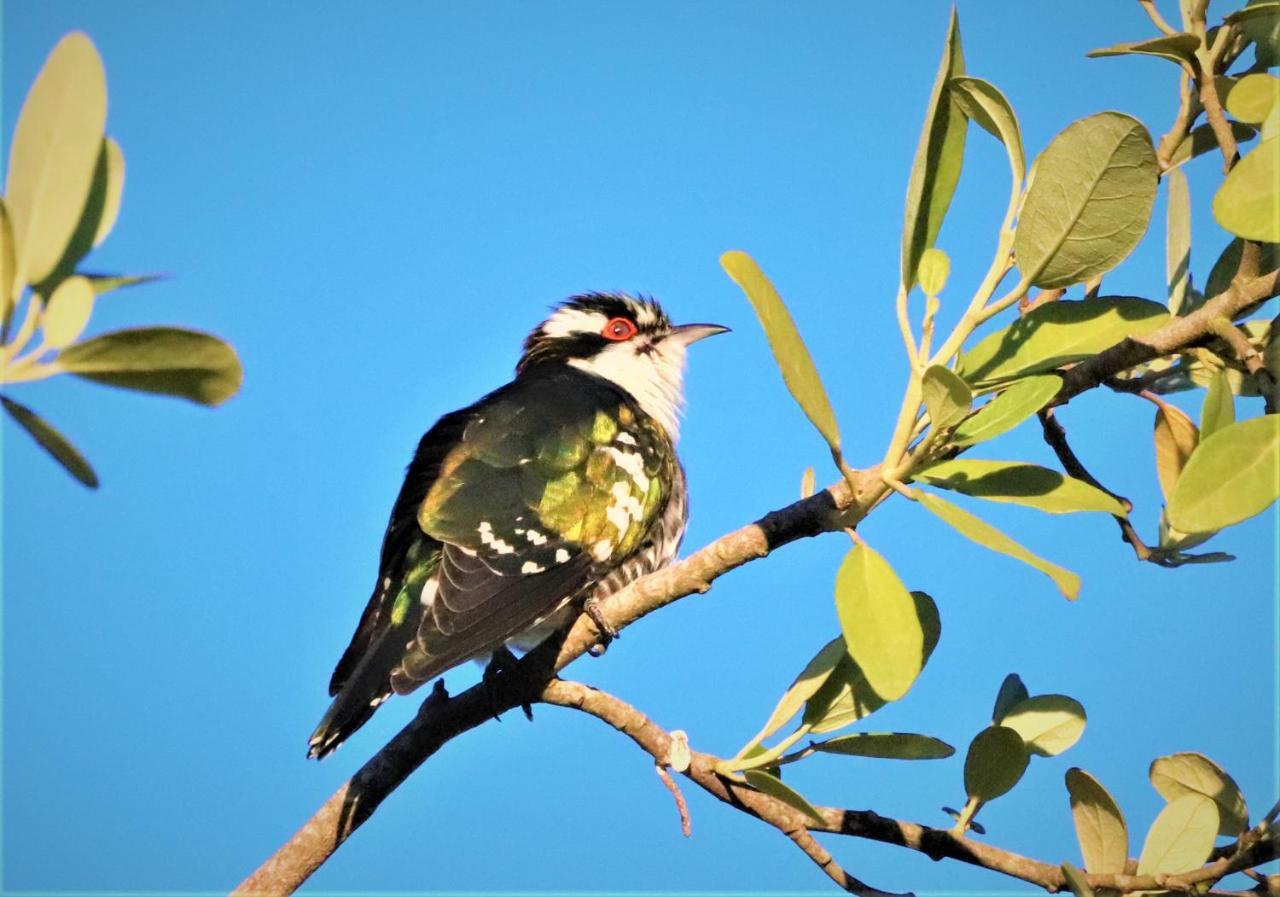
pixel 653 372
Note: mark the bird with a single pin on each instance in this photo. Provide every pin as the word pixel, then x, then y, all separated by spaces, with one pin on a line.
pixel 528 507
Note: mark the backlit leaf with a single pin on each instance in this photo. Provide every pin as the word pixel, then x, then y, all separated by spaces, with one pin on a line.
pixel 1058 333
pixel 52 442
pixel 946 396
pixel 1049 724
pixel 1100 827
pixel 996 760
pixel 1181 838
pixel 803 687
pixel 7 264
pixel 1202 140
pixel 1177 264
pixel 1254 97
pixel 1231 476
pixel 985 104
pixel 1228 265
pixel 1008 409
pixel 808 482
pixel 1174 47
pixel 934 269
pixel 1219 408
pixel 879 621
pixel 106 283
pixel 1012 692
pixel 1191 773
pixel 1077 881
pixel 54 152
pixel 1089 203
pixel 1176 438
pixel 986 535
pixel 939 154
pixel 773 786
pixel 115 190
pixel 1247 204
pixel 166 360
pixel 798 370
pixel 887 745
pixel 1018 483
pixel 67 313
pixel 90 223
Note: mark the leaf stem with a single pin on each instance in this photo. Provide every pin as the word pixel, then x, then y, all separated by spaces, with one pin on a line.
pixel 25 331
pixel 904 324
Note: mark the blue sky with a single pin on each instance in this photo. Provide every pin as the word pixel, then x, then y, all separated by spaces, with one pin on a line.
pixel 374 204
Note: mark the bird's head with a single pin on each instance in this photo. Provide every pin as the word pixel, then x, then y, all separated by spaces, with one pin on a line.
pixel 626 340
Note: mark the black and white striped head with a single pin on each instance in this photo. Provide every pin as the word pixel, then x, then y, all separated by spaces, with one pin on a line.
pixel 624 339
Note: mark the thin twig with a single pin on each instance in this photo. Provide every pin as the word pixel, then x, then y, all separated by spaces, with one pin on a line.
pixel 686 825
pixel 1250 357
pixel 1156 18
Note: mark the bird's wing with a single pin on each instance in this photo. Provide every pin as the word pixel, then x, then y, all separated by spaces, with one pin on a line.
pixel 553 480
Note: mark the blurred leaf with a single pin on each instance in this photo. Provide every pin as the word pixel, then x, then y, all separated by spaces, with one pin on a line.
pixel 1008 409
pixel 803 687
pixel 115 190
pixel 996 760
pixel 1181 838
pixel 1231 476
pixel 946 396
pixel 1018 483
pixel 1191 773
pixel 1219 408
pixel 1012 692
pixel 1077 881
pixel 1260 21
pixel 7 264
pixel 939 154
pixel 934 269
pixel 1058 333
pixel 1100 828
pixel 67 313
pixel 984 103
pixel 165 360
pixel 1247 204
pixel 986 535
pixel 888 746
pixel 52 442
pixel 106 283
pixel 789 351
pixel 55 149
pixel 1177 48
pixel 1228 265
pixel 772 786
pixel 1253 97
pixel 87 226
pixel 1177 264
pixel 1089 203
pixel 1049 724
pixel 1176 438
pixel 808 482
pixel 879 622
pixel 1202 140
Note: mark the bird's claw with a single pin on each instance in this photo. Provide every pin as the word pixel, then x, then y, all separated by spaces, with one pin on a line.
pixel 606 629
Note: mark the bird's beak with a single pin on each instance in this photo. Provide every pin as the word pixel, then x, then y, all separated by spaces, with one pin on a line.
pixel 691 333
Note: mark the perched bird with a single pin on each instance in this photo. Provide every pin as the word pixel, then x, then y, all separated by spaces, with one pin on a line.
pixel 543 497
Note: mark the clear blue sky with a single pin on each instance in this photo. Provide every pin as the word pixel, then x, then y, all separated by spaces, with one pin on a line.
pixel 374 204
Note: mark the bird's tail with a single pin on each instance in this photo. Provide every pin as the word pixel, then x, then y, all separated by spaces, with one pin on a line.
pixel 367 687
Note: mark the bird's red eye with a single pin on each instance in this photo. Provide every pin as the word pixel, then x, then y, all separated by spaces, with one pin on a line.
pixel 619 329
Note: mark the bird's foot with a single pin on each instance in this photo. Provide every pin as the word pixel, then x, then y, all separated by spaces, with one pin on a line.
pixel 501 662
pixel 606 629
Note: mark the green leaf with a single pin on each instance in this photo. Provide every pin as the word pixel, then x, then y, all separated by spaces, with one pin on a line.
pixel 54 152
pixel 986 535
pixel 996 760
pixel 106 283
pixel 1247 203
pixel 1077 881
pixel 946 396
pixel 934 270
pixel 52 442
pixel 67 313
pixel 798 370
pixel 92 218
pixel 1012 692
pixel 165 360
pixel 1176 438
pixel 939 154
pixel 808 482
pixel 1049 724
pixel 1228 265
pixel 1017 483
pixel 115 190
pixel 773 786
pixel 1100 828
pixel 1231 476
pixel 847 697
pixel 1058 333
pixel 1177 48
pixel 888 746
pixel 1177 264
pixel 1254 97
pixel 1219 408
pixel 1190 773
pixel 985 104
pixel 7 264
pixel 1181 838
pixel 1008 409
pixel 1089 203
pixel 804 686
pixel 879 622
pixel 1260 22
pixel 1202 140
